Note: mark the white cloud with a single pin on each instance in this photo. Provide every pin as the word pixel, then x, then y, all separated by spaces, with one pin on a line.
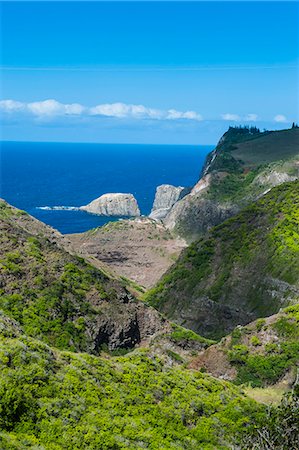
pixel 11 105
pixel 251 117
pixel 50 108
pixel 231 117
pixel 74 108
pixel 54 108
pixel 280 118
pixel 173 114
pixel 236 118
pixel 46 108
pixel 123 110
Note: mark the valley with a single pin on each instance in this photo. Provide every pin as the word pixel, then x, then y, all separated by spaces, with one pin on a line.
pixel 140 334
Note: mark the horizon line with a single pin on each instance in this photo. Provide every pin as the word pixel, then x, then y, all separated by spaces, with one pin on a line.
pixel 150 68
pixel 102 143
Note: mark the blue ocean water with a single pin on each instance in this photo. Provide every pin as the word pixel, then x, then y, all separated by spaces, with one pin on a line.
pixel 38 174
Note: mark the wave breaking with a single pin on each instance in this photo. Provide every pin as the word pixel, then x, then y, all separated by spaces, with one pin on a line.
pixel 58 208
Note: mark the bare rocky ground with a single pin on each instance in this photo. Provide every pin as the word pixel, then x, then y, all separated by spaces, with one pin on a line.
pixel 140 249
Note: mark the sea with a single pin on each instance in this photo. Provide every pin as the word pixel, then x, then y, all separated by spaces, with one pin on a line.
pixel 50 180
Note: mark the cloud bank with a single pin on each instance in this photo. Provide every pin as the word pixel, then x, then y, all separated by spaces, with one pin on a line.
pixel 236 118
pixel 47 111
pixel 52 108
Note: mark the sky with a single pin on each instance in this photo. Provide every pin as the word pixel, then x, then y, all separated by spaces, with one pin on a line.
pixel 146 72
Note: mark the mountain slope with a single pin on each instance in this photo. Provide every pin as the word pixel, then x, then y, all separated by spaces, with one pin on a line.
pixel 244 165
pixel 51 399
pixel 245 268
pixel 60 298
pixel 260 353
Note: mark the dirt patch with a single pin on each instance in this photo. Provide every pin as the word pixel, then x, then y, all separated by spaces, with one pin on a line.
pixel 215 362
pixel 139 249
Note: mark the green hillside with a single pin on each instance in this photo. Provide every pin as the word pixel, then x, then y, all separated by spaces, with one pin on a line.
pixel 243 147
pixel 245 164
pixel 58 297
pixel 245 268
pixel 270 147
pixel 52 400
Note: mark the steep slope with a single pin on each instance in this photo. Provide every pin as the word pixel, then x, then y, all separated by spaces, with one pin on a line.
pixel 244 165
pixel 60 298
pixel 53 399
pixel 260 353
pixel 245 268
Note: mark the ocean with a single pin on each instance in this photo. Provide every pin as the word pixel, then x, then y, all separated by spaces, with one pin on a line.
pixel 43 175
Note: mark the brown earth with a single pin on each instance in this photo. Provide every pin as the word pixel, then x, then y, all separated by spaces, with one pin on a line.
pixel 215 362
pixel 140 249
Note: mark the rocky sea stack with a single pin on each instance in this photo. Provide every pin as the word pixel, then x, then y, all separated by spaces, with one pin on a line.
pixel 166 196
pixel 114 205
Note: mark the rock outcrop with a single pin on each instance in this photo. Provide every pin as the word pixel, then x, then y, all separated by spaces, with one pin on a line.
pixel 193 216
pixel 274 178
pixel 166 196
pixel 113 205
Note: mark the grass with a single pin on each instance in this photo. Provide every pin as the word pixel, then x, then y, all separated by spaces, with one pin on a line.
pixel 267 396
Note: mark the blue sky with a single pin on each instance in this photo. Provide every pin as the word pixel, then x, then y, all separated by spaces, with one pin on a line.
pixel 150 72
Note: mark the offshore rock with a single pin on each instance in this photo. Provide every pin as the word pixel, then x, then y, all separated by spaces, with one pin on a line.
pixel 114 205
pixel 166 196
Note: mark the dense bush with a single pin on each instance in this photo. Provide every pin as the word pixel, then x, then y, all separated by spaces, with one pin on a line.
pixel 62 400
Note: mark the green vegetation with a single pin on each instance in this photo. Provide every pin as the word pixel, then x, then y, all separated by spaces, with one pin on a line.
pixel 182 335
pixel 249 148
pixel 54 307
pixel 50 306
pixel 278 430
pixel 57 297
pixel 243 166
pixel 234 266
pixel 243 155
pixel 272 349
pixel 261 369
pixel 232 186
pixel 255 341
pixel 132 284
pixel 56 400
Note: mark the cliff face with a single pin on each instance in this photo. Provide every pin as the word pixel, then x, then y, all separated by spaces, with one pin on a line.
pixel 244 166
pixel 114 205
pixel 196 213
pixel 245 268
pixel 166 196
